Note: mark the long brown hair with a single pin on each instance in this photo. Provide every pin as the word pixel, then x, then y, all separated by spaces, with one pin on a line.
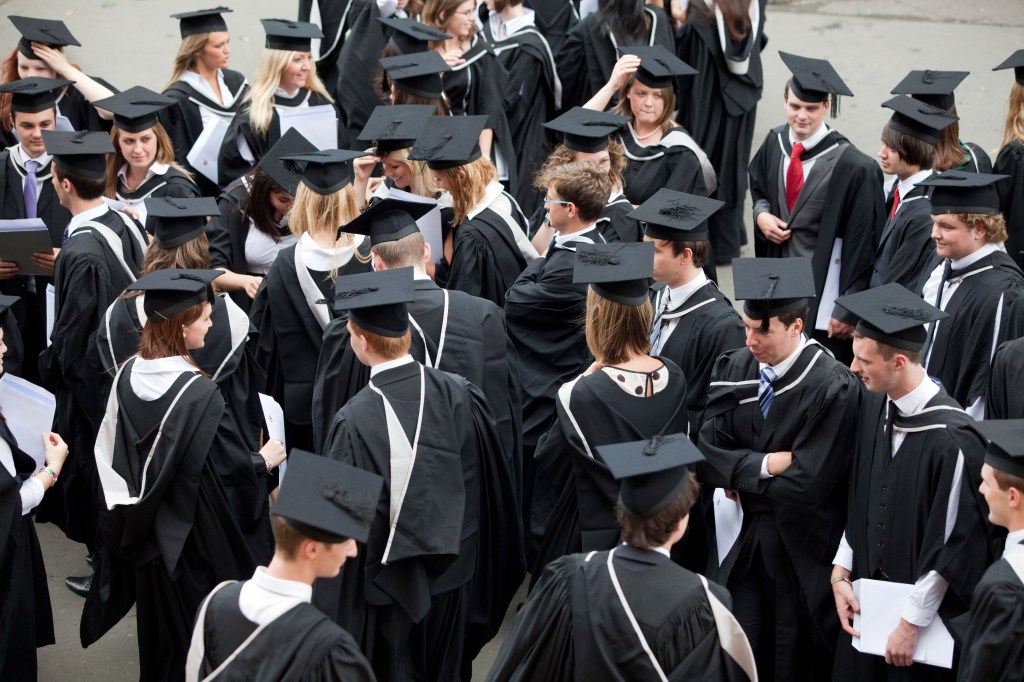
pixel 163 338
pixel 617 332
pixel 562 155
pixel 164 154
pixel 192 255
pixel 436 14
pixel 949 153
pixel 1014 128
pixel 191 47
pixel 255 204
pixel 468 183
pixel 735 14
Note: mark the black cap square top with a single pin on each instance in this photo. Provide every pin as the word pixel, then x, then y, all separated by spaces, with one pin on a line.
pixel 171 291
pixel 202 21
pixel 291 36
pixel 173 221
pixel 418 73
pixel 917 119
pixel 83 152
pixel 325 172
pixel 135 109
pixel 388 220
pixel 449 141
pixel 959 192
pixel 376 301
pixel 1004 444
pixel 770 287
pixel 1016 62
pixel 618 272
pixel 676 216
pixel 586 130
pixel 286 175
pixel 46 31
pixel 394 127
pixel 652 472
pixel 658 67
pixel 35 94
pixel 932 87
pixel 328 501
pixel 409 36
pixel 892 314
pixel 815 80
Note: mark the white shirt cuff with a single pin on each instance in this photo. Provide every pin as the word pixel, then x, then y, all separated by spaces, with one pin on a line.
pixel 764 468
pixel 32 492
pixel 923 603
pixel 844 555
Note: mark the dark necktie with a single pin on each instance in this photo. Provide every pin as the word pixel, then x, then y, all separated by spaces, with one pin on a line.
pixel 794 176
pixel 895 201
pixel 31 193
pixel 657 324
pixel 890 416
pixel 765 391
pixel 926 351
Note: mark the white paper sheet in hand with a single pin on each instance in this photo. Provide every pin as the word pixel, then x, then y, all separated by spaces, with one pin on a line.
pixel 728 521
pixel 881 603
pixel 317 124
pixel 51 308
pixel 28 410
pixel 203 155
pixel 274 417
pixel 429 224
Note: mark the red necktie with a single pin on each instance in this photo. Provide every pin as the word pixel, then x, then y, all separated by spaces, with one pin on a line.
pixel 895 201
pixel 794 176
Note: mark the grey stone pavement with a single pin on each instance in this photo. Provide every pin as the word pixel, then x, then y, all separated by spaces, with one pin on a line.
pixel 872 43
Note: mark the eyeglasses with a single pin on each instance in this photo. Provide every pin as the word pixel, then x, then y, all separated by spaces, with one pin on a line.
pixel 466 13
pixel 556 201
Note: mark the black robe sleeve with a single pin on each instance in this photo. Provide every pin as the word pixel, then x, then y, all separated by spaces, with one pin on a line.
pixel 1004 399
pixel 994 628
pixel 1010 161
pixel 339 376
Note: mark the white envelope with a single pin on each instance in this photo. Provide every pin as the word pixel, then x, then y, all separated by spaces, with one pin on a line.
pixel 273 414
pixel 28 410
pixel 881 603
pixel 51 307
pixel 204 153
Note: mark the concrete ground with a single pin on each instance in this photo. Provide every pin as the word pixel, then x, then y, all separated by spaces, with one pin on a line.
pixel 872 43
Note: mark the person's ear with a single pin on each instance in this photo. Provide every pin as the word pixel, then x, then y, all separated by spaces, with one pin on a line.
pixel 426 252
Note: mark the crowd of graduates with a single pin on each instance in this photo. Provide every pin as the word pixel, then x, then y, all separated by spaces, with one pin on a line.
pixel 345 352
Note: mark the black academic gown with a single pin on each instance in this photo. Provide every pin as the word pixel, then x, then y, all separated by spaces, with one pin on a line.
pixel 422 604
pixel 335 22
pixel 1010 161
pixel 554 19
pixel 15 355
pixel 905 253
pixel 676 162
pixel 792 522
pixel 300 645
pixel 1004 399
pixel 573 628
pixel 358 67
pixel 172 183
pixel 26 620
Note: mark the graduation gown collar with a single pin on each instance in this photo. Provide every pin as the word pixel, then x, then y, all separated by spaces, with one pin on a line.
pixel 831 140
pixel 396 374
pixel 698 299
pixel 643 556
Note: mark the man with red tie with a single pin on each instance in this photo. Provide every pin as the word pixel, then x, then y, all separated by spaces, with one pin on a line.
pixel 815 195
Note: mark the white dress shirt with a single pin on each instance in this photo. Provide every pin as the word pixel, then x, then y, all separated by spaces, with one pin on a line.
pixel 150 379
pixel 780 371
pixel 810 143
pixel 86 216
pixel 673 298
pixel 264 597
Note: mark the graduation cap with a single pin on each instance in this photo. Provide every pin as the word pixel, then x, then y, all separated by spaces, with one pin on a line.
pixel 393 127
pixel 46 31
pixel 676 216
pixel 328 501
pixel 170 291
pixel 1016 62
pixel 770 287
pixel 6 302
pixel 83 152
pixel 449 141
pixel 652 472
pixel 202 21
pixel 586 130
pixel 325 172
pixel 286 175
pixel 1005 443
pixel 917 119
pixel 135 109
pixel 32 95
pixel 376 300
pixel 959 192
pixel 815 80
pixel 418 73
pixel 892 314
pixel 658 67
pixel 388 220
pixel 174 221
pixel 618 272
pixel 931 87
pixel 293 36
pixel 409 36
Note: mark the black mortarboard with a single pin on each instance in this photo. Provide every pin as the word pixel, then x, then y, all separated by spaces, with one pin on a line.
pixel 135 109
pixel 32 95
pixel 376 301
pixel 892 314
pixel 652 472
pixel 932 87
pixel 409 36
pixel 326 500
pixel 449 141
pixel 286 175
pixel 586 130
pixel 658 67
pixel 418 73
pixel 174 221
pixel 170 291
pixel 83 152
pixel 676 216
pixel 618 272
pixel 959 192
pixel 5 305
pixel 918 119
pixel 1016 62
pixel 815 80
pixel 770 287
pixel 393 127
pixel 388 220
pixel 202 21
pixel 1005 448
pixel 293 36
pixel 325 172
pixel 46 31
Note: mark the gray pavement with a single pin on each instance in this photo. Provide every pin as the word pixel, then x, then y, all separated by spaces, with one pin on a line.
pixel 872 43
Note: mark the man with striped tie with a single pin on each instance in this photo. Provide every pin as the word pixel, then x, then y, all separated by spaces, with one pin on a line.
pixel 779 417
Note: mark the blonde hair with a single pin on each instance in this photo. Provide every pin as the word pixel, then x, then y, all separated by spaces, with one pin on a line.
pixel 422 181
pixel 314 213
pixel 164 154
pixel 1014 128
pixel 468 183
pixel 191 47
pixel 192 255
pixel 993 223
pixel 668 96
pixel 266 79
pixel 617 332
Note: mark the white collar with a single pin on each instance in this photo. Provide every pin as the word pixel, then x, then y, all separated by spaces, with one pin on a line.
pixel 783 367
pixel 23 156
pixel 511 26
pixel 284 94
pixel 421 275
pixel 86 216
pixel 972 258
pixel 561 239
pixel 176 363
pixel 282 587
pixel 914 402
pixel 907 186
pixel 390 364
pixel 681 293
pixel 156 168
pixel 319 259
pixel 1014 537
pixel 491 194
pixel 203 86
pixel 812 141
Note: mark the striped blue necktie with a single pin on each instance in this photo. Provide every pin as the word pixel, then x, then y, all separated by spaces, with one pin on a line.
pixel 765 392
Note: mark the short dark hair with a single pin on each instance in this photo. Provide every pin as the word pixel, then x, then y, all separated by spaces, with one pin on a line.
pixel 655 531
pixel 700 251
pixel 787 319
pixel 1006 480
pixel 583 183
pixel 911 150
pixel 86 188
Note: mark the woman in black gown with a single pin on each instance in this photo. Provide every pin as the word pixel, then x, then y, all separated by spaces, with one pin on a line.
pixel 1010 160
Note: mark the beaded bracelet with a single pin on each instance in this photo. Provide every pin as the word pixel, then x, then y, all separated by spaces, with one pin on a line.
pixel 53 474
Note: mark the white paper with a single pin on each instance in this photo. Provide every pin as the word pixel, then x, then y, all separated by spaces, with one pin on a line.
pixel 28 410
pixel 19 239
pixel 881 604
pixel 204 153
pixel 831 290
pixel 429 224
pixel 51 307
pixel 273 415
pixel 63 123
pixel 317 124
pixel 728 521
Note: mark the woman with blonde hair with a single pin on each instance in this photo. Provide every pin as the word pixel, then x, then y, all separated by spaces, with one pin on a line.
pixel 206 92
pixel 285 79
pixel 294 304
pixel 1010 160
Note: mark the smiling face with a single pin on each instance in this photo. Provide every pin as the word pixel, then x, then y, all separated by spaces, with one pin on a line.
pixel 397 170
pixel 461 22
pixel 296 73
pixel 30 127
pixel 195 333
pixel 953 238
pixel 216 53
pixel 804 118
pixel 646 103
